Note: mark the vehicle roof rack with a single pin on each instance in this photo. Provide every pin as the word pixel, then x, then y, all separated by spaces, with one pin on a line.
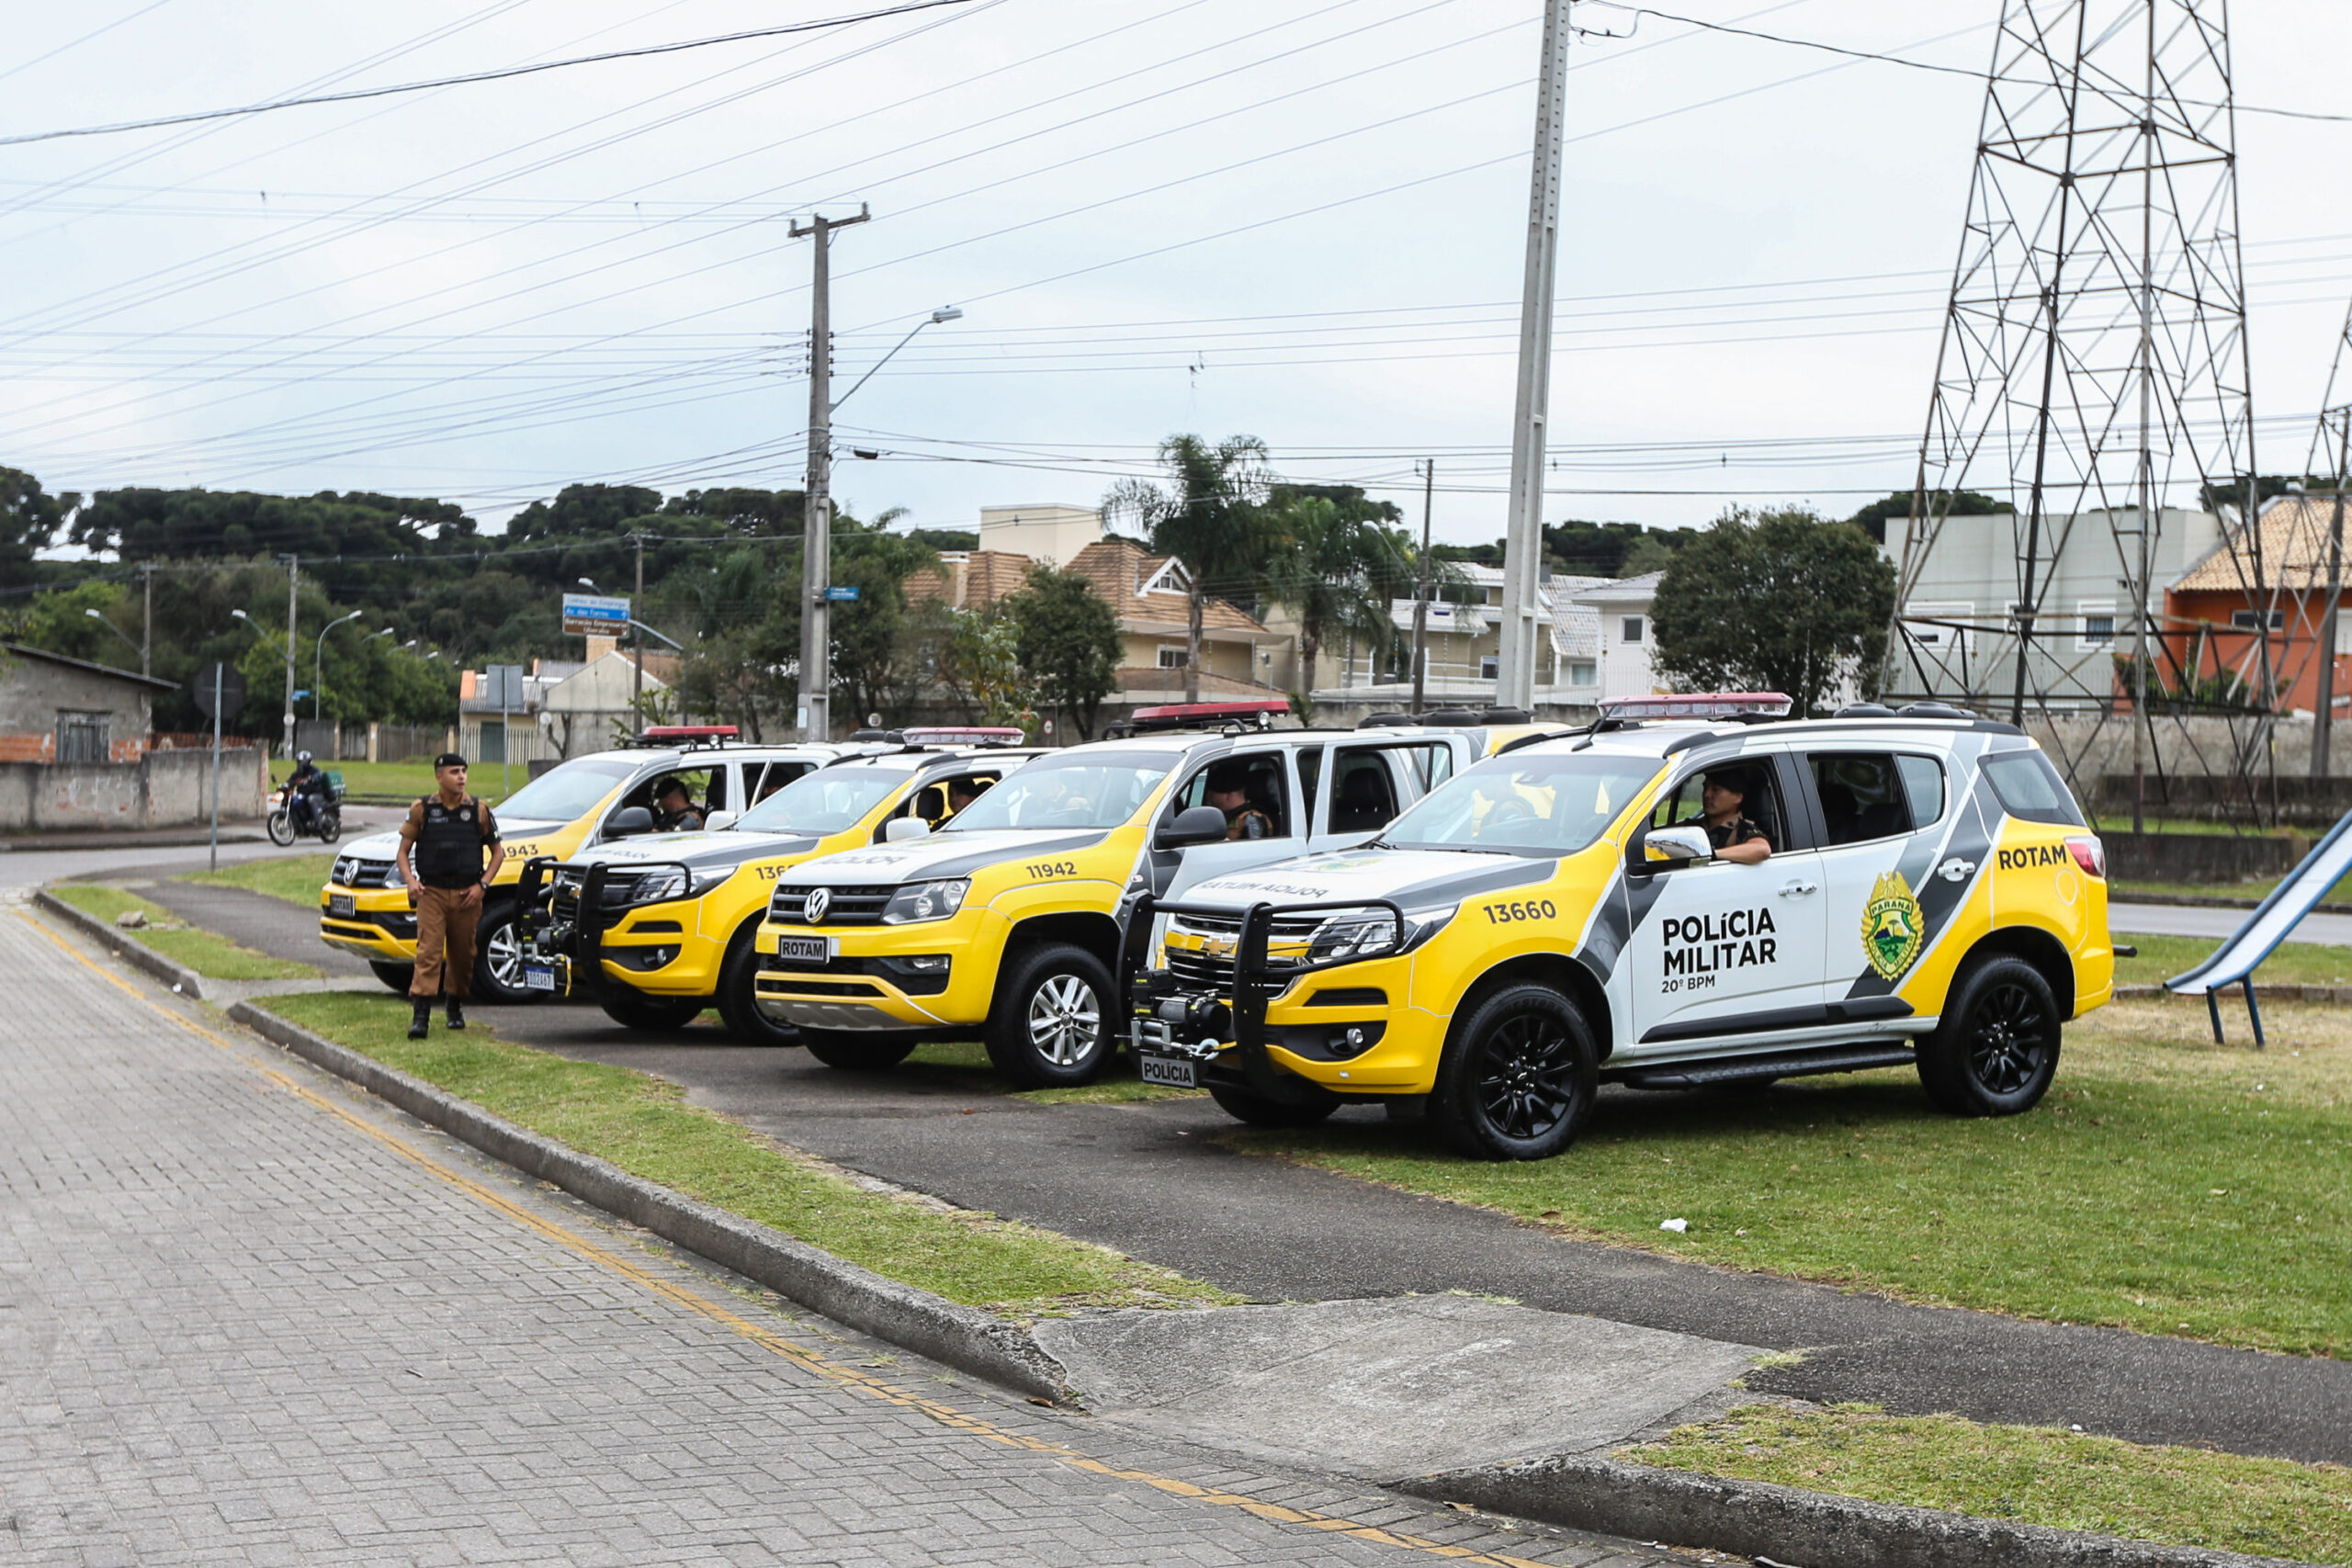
pixel 1382 720
pixel 1932 710
pixel 1745 707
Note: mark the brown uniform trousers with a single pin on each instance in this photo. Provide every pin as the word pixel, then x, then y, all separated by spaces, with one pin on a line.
pixel 444 943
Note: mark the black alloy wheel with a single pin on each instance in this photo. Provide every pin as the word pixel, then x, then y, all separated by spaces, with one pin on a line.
pixel 498 958
pixel 1996 1051
pixel 1520 1077
pixel 739 1006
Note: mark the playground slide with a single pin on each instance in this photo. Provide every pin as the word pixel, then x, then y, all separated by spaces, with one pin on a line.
pixel 2233 963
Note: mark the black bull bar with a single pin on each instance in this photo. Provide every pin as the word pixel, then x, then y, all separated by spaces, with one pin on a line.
pixel 583 945
pixel 1255 981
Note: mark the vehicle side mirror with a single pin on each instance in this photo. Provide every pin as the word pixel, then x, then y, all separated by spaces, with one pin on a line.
pixel 900 827
pixel 719 820
pixel 628 822
pixel 1194 825
pixel 1677 844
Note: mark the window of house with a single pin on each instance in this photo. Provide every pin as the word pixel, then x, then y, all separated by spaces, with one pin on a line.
pixel 1583 673
pixel 1917 615
pixel 2098 623
pixel 1172 656
pixel 82 737
pixel 1629 629
pixel 2251 620
pixel 1490 668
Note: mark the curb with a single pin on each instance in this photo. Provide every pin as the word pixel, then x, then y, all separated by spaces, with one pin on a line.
pixel 120 943
pixel 1753 1518
pixel 2284 993
pixel 2211 901
pixel 963 1337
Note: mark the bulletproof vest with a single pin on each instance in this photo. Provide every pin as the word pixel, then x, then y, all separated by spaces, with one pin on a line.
pixel 449 851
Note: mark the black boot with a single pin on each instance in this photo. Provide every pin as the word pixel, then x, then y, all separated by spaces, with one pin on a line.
pixel 456 1012
pixel 421 1021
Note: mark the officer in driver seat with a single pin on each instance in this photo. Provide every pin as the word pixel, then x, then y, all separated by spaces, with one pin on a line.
pixel 1722 800
pixel 1228 791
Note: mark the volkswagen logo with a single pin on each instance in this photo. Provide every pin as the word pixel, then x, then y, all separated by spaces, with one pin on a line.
pixel 819 899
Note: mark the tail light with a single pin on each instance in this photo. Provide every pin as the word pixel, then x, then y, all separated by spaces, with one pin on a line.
pixel 2090 855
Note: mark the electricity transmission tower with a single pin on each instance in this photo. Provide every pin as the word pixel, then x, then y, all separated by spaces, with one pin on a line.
pixel 2093 373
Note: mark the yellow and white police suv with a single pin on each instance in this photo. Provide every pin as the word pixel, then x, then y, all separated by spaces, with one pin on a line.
pixel 1559 916
pixel 1009 921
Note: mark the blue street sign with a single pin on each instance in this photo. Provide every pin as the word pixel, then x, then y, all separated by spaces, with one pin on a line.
pixel 848 591
pixel 592 614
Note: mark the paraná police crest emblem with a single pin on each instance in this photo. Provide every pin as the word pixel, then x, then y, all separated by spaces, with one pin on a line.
pixel 1892 926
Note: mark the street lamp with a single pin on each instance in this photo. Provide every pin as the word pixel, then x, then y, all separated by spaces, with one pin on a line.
pixel 657 637
pixel 120 632
pixel 371 636
pixel 945 313
pixel 259 630
pixel 318 662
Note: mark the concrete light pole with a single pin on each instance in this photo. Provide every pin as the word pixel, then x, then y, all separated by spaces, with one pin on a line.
pixel 815 713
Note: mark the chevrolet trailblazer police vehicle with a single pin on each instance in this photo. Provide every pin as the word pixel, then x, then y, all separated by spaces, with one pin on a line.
pixel 1550 921
pixel 364 907
pixel 656 928
pixel 1009 920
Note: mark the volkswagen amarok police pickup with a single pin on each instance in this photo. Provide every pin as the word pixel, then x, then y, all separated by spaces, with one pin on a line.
pixel 1554 919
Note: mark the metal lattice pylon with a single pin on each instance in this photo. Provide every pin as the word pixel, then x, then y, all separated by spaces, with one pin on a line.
pixel 2094 361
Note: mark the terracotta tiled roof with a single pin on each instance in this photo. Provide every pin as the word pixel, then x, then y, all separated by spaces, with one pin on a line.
pixel 1119 568
pixel 971 579
pixel 2292 531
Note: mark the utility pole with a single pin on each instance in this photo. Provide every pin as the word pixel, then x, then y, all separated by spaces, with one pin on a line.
pixel 293 581
pixel 2143 590
pixel 817 535
pixel 1422 592
pixel 637 638
pixel 2323 711
pixel 1523 537
pixel 147 622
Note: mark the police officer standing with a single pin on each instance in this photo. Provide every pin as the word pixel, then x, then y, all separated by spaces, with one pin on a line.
pixel 444 843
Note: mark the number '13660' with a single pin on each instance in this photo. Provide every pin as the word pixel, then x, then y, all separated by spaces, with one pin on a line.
pixel 1532 910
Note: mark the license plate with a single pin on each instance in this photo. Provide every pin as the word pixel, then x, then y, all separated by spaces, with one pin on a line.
pixel 805 949
pixel 538 977
pixel 342 905
pixel 1172 1072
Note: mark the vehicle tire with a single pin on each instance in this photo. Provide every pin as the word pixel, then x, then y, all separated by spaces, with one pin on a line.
pixel 498 958
pixel 739 1006
pixel 857 1053
pixel 1996 1048
pixel 1259 1111
pixel 331 825
pixel 1519 1079
pixel 398 977
pixel 281 827
pixel 1051 1025
pixel 633 1010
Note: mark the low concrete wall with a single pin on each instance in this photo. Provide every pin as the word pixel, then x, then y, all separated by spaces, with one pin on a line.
pixel 2202 858
pixel 2303 801
pixel 163 789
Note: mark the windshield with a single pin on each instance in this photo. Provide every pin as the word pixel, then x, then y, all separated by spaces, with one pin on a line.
pixel 823 802
pixel 1051 792
pixel 567 791
pixel 1548 806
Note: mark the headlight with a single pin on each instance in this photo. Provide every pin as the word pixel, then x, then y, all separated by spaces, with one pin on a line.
pixel 924 901
pixel 1372 933
pixel 676 882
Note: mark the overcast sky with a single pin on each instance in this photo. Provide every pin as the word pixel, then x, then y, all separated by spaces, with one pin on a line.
pixel 1299 219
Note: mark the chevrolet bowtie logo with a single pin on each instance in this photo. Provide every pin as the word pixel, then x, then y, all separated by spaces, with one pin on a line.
pixel 820 899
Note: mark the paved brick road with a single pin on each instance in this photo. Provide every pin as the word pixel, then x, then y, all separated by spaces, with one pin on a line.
pixel 247 1316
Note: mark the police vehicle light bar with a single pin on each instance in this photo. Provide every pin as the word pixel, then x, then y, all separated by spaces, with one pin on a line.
pixel 688 732
pixel 1699 704
pixel 963 735
pixel 1261 709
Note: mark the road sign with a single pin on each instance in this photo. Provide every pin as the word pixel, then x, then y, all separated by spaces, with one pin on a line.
pixel 501 687
pixel 844 590
pixel 592 614
pixel 232 690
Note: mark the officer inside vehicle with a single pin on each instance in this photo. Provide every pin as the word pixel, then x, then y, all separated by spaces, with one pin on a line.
pixel 450 851
pixel 1228 791
pixel 1723 801
pixel 673 808
pixel 304 786
pixel 962 792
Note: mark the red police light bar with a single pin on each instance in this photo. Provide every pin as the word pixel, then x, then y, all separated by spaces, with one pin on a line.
pixel 964 735
pixel 1699 704
pixel 1207 712
pixel 688 732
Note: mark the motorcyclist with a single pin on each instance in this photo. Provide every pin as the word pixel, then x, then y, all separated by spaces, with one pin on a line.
pixel 304 788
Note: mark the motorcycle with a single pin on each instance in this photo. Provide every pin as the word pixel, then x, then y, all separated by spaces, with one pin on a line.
pixel 323 821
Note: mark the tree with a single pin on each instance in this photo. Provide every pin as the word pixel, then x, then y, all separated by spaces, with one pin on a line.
pixel 1068 642
pixel 1780 601
pixel 1337 572
pixel 1207 519
pixel 1872 519
pixel 30 518
pixel 976 656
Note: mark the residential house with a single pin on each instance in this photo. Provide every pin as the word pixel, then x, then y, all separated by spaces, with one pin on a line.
pixel 1464 643
pixel 570 708
pixel 2261 600
pixel 55 709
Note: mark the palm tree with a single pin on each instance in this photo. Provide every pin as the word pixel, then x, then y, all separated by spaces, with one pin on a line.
pixel 1336 573
pixel 1208 517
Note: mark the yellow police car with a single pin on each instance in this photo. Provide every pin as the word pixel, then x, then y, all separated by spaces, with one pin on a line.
pixel 656 928
pixel 1567 914
pixel 364 907
pixel 1009 921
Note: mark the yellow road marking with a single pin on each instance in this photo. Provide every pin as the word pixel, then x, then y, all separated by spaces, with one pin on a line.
pixel 851 1378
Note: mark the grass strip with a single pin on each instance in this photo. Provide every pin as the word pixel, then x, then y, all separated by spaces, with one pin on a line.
pixel 2166 1185
pixel 643 1124
pixel 2036 1475
pixel 2253 891
pixel 209 953
pixel 295 878
pixel 399 783
pixel 2293 964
